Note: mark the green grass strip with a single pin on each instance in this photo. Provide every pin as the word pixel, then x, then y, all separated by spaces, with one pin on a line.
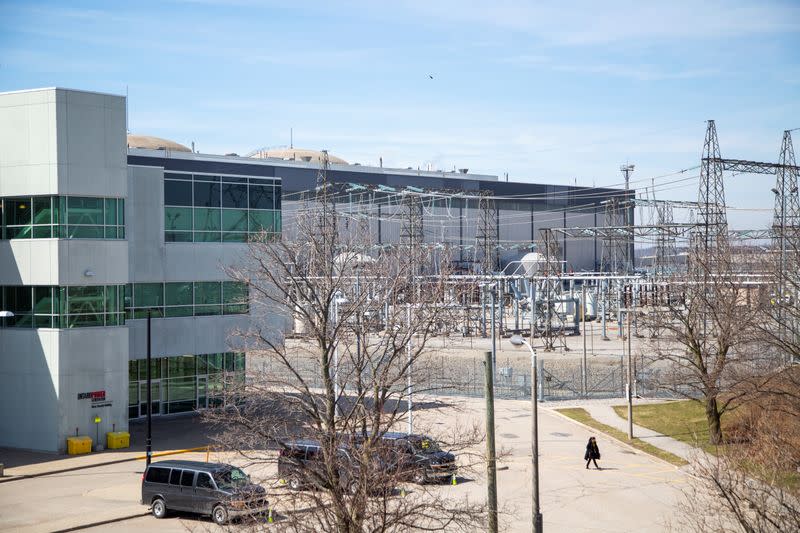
pixel 583 416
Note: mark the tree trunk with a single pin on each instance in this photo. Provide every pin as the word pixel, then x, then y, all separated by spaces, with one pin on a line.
pixel 714 424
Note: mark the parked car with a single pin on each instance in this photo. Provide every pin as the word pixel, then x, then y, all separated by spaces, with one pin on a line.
pixel 419 458
pixel 300 462
pixel 218 490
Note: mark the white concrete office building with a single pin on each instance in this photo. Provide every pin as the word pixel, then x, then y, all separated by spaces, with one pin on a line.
pixel 84 254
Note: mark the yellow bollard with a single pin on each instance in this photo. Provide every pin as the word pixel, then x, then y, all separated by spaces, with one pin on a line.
pixel 281 482
pixel 403 492
pixel 453 482
pixel 269 516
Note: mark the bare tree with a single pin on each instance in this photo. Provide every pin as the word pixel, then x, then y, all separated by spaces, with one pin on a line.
pixel 752 485
pixel 705 341
pixel 364 320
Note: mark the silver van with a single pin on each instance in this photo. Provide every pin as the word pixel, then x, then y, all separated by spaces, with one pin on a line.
pixel 218 490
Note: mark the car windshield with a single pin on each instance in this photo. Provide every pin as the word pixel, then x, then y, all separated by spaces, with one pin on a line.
pixel 231 479
pixel 425 445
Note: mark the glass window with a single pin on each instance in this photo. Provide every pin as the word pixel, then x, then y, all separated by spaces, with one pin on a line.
pixel 177 192
pixel 204 481
pixel 111 212
pixel 133 371
pixel 178 293
pixel 178 236
pixel 175 477
pixel 43 301
pixel 155 368
pixel 157 474
pixel 207 297
pixel 84 210
pixel 85 299
pixel 216 363
pixel 42 212
pixel 85 232
pixel 17 211
pixel 42 232
pixel 234 196
pixel 181 366
pixel 234 220
pixel 230 363
pixel 202 365
pixel 181 389
pixel 206 219
pixel 187 478
pixel 239 361
pixel 207 236
pixel 261 221
pixel 262 197
pixel 178 218
pixel 206 194
pixel 173 312
pixel 177 176
pixel 148 295
pixel 234 237
pixel 234 292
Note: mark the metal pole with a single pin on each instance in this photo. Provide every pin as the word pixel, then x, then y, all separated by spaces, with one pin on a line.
pixel 149 442
pixel 630 381
pixel 584 368
pixel 537 514
pixel 410 401
pixel 494 333
pixel 336 391
pixel 491 466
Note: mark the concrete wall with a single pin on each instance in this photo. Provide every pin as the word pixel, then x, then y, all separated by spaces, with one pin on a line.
pixel 62 142
pixel 57 141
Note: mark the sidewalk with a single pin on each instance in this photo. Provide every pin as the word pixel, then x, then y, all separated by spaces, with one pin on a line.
pixel 607 415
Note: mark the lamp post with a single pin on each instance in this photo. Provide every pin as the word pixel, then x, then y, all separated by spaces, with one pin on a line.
pixel 149 442
pixel 536 519
pixel 338 299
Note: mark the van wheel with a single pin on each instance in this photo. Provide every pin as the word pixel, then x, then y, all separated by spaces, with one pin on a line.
pixel 294 483
pixel 419 477
pixel 219 515
pixel 159 508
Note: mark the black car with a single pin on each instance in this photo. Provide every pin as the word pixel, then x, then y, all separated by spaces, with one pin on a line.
pixel 419 457
pixel 219 490
pixel 301 464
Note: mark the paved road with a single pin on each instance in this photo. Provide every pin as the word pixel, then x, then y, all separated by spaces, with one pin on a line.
pixel 633 492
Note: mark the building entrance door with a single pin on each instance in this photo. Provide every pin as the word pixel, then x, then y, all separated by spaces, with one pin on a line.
pixel 202 392
pixel 155 398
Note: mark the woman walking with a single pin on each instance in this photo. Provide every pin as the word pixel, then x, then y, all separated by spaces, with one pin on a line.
pixel 592 453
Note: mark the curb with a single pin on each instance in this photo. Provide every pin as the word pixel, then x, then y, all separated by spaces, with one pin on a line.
pixel 105 463
pixel 102 522
pixel 637 450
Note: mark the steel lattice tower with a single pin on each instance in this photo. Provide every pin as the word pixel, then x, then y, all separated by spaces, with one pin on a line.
pixel 786 222
pixel 616 248
pixel 412 237
pixel 486 235
pixel 325 208
pixel 665 245
pixel 710 241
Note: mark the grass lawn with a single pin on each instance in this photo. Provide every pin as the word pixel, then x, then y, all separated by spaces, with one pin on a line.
pixel 583 416
pixel 682 420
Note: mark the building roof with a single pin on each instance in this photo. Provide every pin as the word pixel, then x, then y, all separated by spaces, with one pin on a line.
pixel 154 143
pixel 296 154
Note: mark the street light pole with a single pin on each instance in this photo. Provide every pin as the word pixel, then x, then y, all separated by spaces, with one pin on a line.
pixel 536 519
pixel 148 446
pixel 630 379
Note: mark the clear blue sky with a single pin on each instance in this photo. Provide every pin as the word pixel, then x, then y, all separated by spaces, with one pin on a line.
pixel 541 91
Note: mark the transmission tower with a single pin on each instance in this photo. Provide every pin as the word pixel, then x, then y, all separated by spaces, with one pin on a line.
pixel 486 235
pixel 664 264
pixel 551 305
pixel 411 233
pixel 786 222
pixel 616 249
pixel 710 241
pixel 325 219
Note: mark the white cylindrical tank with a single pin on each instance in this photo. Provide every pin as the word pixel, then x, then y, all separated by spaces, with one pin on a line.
pixel 532 263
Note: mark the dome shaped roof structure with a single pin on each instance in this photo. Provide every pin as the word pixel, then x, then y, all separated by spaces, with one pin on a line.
pixel 155 143
pixel 296 154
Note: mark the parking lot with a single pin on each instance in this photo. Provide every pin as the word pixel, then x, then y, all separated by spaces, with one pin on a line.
pixel 633 491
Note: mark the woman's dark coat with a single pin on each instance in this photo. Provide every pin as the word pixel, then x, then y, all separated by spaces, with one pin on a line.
pixel 592 451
